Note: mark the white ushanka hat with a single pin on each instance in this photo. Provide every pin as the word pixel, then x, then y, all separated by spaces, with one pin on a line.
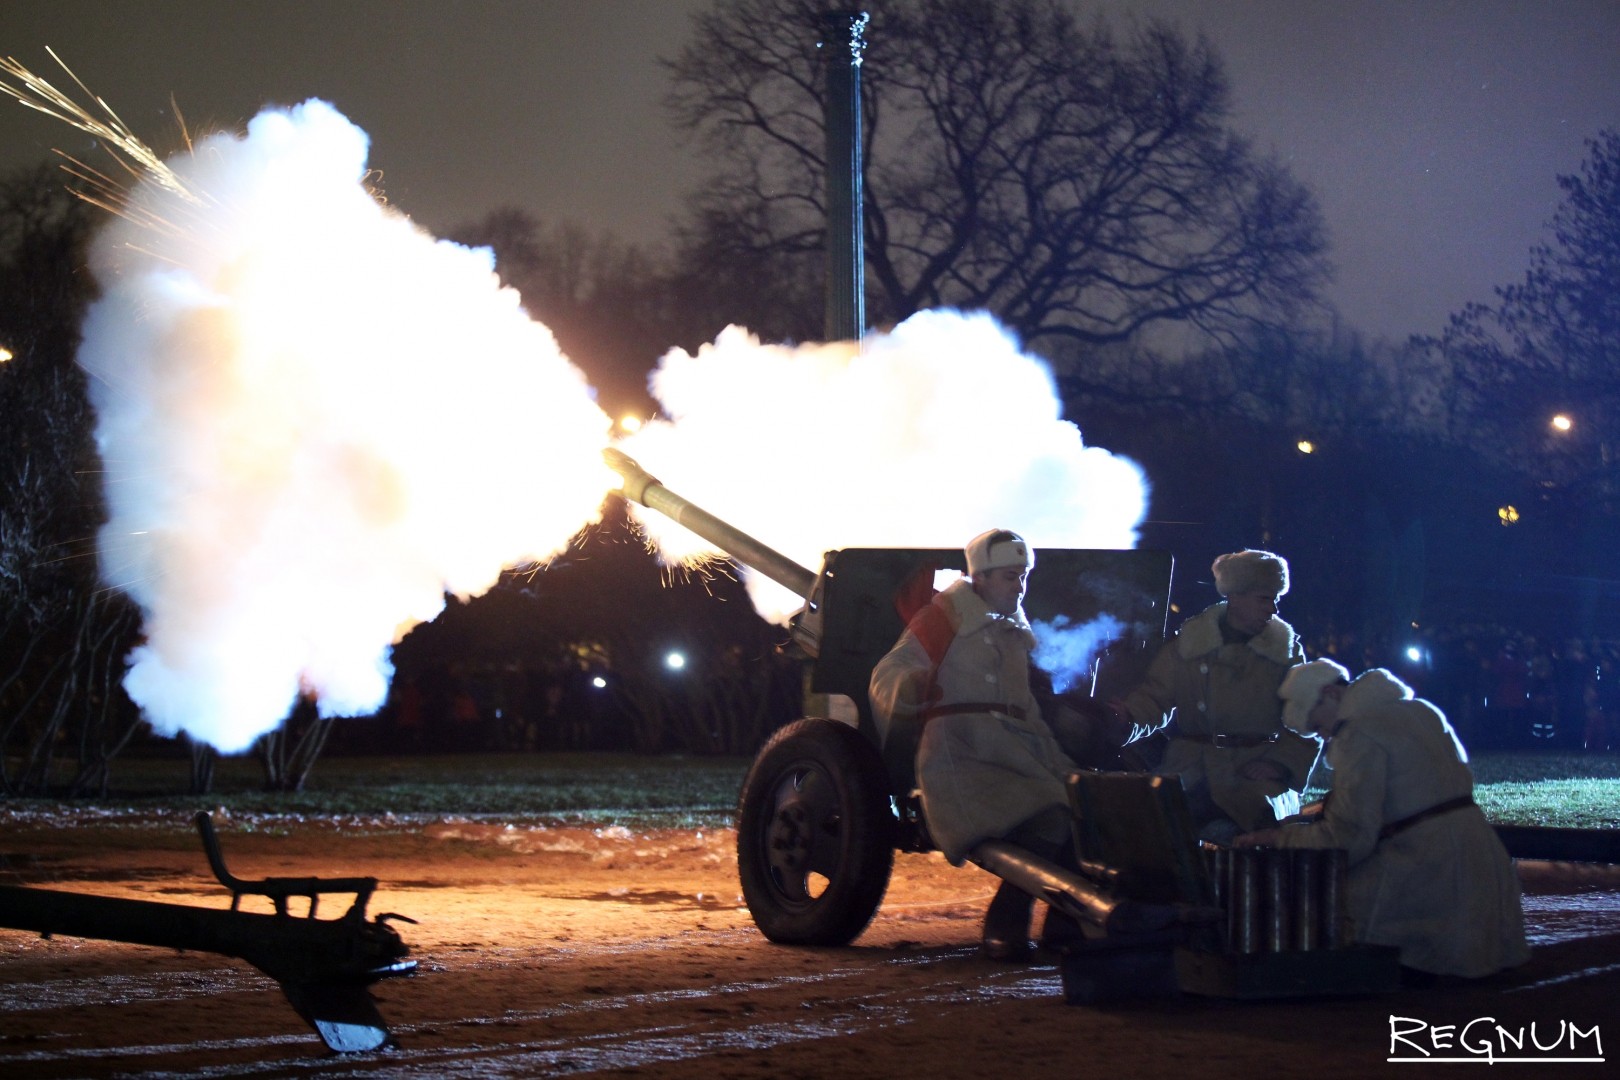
pixel 1250 570
pixel 997 548
pixel 1302 688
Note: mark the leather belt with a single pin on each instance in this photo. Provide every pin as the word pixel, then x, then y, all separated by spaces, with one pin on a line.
pixel 1436 810
pixel 1229 742
pixel 1014 711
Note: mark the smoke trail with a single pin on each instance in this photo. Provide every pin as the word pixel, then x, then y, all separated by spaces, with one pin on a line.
pixel 1065 650
pixel 315 420
pixel 922 437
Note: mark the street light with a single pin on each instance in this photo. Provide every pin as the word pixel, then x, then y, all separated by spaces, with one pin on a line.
pixel 1508 515
pixel 675 660
pixel 1305 446
pixel 1562 422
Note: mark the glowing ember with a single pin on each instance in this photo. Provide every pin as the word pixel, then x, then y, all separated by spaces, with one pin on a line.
pixel 132 154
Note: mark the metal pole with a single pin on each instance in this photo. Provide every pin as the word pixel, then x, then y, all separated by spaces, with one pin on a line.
pixel 842 44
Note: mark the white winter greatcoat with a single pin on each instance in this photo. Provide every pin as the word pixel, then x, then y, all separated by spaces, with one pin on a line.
pixel 1212 688
pixel 1443 890
pixel 981 773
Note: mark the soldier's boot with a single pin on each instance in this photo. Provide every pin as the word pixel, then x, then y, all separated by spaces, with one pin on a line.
pixel 1006 925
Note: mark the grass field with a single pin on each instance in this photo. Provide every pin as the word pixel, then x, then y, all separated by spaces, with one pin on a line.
pixel 1547 789
pixel 595 789
pixel 1577 791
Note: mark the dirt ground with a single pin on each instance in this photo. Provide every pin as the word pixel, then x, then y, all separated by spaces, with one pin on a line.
pixel 552 951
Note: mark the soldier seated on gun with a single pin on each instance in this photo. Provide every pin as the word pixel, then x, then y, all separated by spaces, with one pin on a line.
pixel 987 766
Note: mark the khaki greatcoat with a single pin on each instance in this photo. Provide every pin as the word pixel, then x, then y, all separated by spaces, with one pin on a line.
pixel 1214 690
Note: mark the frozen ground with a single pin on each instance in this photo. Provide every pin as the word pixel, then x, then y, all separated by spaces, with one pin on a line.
pixel 551 951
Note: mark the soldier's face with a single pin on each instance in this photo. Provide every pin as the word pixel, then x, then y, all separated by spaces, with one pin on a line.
pixel 1002 589
pixel 1248 612
pixel 1326 713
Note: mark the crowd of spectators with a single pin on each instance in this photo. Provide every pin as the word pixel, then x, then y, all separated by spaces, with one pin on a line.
pixel 1502 688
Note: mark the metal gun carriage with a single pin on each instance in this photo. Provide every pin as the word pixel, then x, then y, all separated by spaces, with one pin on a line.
pixel 826 803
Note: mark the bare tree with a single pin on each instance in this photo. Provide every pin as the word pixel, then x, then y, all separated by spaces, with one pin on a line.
pixel 1550 344
pixel 62 636
pixel 1082 186
pixel 288 753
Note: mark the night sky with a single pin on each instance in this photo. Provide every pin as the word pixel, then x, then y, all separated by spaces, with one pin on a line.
pixel 1431 130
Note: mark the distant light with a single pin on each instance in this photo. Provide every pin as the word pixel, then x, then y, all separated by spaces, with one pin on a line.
pixel 1305 446
pixel 1561 422
pixel 1413 653
pixel 1509 515
pixel 675 661
pixel 5 354
pixel 629 423
pixel 599 682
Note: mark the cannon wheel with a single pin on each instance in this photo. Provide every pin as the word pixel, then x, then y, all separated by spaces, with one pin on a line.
pixel 815 834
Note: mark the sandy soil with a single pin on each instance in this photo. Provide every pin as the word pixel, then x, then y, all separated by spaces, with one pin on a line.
pixel 550 951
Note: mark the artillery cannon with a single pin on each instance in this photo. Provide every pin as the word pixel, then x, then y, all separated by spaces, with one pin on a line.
pixel 826 803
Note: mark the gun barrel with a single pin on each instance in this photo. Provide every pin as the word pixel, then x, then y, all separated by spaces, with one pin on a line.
pixel 642 487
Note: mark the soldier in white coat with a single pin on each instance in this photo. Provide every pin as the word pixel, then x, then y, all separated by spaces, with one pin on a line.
pixel 987 765
pixel 1428 874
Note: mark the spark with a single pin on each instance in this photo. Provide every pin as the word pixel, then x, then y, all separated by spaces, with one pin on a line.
pixel 126 148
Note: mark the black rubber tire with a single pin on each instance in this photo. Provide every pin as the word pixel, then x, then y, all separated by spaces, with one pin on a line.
pixel 815 834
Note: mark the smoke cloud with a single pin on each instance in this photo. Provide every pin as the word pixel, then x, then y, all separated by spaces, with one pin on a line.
pixel 923 436
pixel 315 421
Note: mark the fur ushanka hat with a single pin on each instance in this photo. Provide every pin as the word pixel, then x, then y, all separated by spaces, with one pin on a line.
pixel 1302 688
pixel 997 548
pixel 1251 570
